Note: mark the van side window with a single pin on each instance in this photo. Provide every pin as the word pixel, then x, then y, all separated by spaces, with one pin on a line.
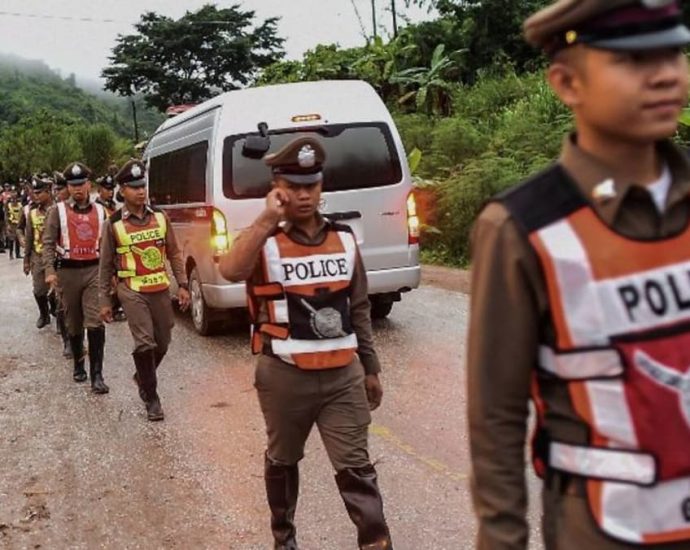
pixel 179 177
pixel 358 156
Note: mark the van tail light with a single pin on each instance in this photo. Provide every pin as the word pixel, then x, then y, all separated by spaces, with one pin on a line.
pixel 412 220
pixel 220 240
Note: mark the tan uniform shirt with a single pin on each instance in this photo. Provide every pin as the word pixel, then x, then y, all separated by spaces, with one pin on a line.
pixel 108 261
pixel 243 264
pixel 510 316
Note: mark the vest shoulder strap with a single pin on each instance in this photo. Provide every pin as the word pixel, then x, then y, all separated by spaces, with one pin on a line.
pixel 543 199
pixel 116 217
pixel 335 226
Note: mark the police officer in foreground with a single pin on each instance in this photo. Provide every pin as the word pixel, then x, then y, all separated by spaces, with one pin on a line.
pixel 312 329
pixel 580 298
pixel 137 242
pixel 71 242
pixel 33 247
pixel 61 194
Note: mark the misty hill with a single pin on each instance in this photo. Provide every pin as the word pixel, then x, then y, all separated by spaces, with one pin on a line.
pixel 29 86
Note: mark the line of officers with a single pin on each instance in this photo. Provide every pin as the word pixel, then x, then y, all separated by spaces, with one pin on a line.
pixel 93 262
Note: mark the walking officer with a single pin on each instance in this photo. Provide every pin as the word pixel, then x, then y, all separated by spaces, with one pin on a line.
pixel 13 211
pixel 580 298
pixel 137 242
pixel 307 291
pixel 33 247
pixel 106 192
pixel 71 238
pixel 61 194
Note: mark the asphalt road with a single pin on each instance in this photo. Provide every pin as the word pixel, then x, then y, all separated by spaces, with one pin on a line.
pixel 85 471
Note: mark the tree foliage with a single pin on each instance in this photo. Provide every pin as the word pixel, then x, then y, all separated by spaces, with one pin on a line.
pixel 188 60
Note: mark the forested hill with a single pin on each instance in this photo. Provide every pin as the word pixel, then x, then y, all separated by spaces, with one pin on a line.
pixel 30 87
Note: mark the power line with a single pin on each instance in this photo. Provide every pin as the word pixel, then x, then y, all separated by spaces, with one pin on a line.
pixel 60 17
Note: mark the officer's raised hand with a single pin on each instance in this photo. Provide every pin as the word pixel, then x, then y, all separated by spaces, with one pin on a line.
pixel 27 266
pixel 106 314
pixel 276 201
pixel 374 390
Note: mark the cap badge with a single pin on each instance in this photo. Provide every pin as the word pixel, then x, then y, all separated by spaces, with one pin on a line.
pixel 306 157
pixel 571 37
pixel 136 171
pixel 76 171
pixel 605 190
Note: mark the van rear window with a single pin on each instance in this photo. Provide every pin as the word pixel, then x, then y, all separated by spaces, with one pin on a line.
pixel 358 156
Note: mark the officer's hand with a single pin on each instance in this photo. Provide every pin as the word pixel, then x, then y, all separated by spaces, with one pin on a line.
pixel 51 280
pixel 374 390
pixel 27 268
pixel 276 201
pixel 106 314
pixel 183 299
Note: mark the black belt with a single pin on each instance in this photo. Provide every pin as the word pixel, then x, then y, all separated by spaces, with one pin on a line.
pixel 75 264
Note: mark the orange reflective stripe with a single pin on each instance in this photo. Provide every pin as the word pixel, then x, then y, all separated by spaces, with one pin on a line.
pixel 598 240
pixel 270 290
pixel 275 331
pixel 324 360
pixel 257 342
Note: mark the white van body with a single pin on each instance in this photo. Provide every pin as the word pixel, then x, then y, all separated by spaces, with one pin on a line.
pixel 196 169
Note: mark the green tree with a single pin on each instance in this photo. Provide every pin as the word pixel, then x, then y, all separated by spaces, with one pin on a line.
pixel 187 60
pixel 98 145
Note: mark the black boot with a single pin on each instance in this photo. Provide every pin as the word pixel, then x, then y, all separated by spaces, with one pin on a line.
pixel 96 337
pixel 360 492
pixel 17 250
pixel 62 330
pixel 145 362
pixel 44 311
pixel 282 489
pixel 77 345
pixel 10 246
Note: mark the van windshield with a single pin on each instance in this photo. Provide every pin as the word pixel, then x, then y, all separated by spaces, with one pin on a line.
pixel 358 156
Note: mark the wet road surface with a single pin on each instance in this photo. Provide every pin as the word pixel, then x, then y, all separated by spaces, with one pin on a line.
pixel 85 471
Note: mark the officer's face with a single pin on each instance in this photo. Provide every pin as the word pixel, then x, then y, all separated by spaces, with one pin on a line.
pixel 106 194
pixel 80 193
pixel 42 196
pixel 134 196
pixel 630 96
pixel 63 194
pixel 304 199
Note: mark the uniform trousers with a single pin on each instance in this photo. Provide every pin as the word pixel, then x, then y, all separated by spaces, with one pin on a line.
pixel 568 524
pixel 80 298
pixel 150 318
pixel 293 400
pixel 38 275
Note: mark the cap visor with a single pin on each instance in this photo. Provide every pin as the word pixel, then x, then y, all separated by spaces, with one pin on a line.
pixel 77 182
pixel 304 179
pixel 670 38
pixel 134 183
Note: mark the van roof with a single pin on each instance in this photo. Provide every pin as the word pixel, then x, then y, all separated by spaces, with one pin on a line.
pixel 352 100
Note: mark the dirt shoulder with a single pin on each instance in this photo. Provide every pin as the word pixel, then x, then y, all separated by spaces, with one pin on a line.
pixel 447 278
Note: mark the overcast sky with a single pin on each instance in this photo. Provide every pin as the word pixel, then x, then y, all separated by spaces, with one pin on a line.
pixel 82 47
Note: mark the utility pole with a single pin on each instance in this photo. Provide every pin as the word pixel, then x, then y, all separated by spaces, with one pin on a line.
pixel 395 19
pixel 136 125
pixel 373 16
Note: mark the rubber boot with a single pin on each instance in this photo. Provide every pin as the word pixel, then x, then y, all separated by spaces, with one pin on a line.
pixel 360 492
pixel 282 490
pixel 10 246
pixel 158 358
pixel 77 345
pixel 96 337
pixel 145 362
pixel 62 329
pixel 44 311
pixel 17 250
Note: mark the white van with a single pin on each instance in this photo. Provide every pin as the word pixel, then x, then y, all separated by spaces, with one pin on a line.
pixel 205 170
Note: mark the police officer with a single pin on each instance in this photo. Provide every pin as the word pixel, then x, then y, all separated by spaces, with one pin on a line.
pixel 71 238
pixel 13 211
pixel 307 291
pixel 106 192
pixel 61 194
pixel 137 241
pixel 579 298
pixel 33 248
pixel 3 197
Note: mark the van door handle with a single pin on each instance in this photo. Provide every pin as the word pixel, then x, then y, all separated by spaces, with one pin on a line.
pixel 341 216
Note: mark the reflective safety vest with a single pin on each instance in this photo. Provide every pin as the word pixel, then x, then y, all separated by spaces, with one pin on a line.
pixel 38 221
pixel 141 253
pixel 14 211
pixel 620 308
pixel 80 233
pixel 307 296
pixel 109 206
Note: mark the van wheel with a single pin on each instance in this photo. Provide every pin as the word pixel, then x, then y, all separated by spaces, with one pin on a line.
pixel 201 313
pixel 380 309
